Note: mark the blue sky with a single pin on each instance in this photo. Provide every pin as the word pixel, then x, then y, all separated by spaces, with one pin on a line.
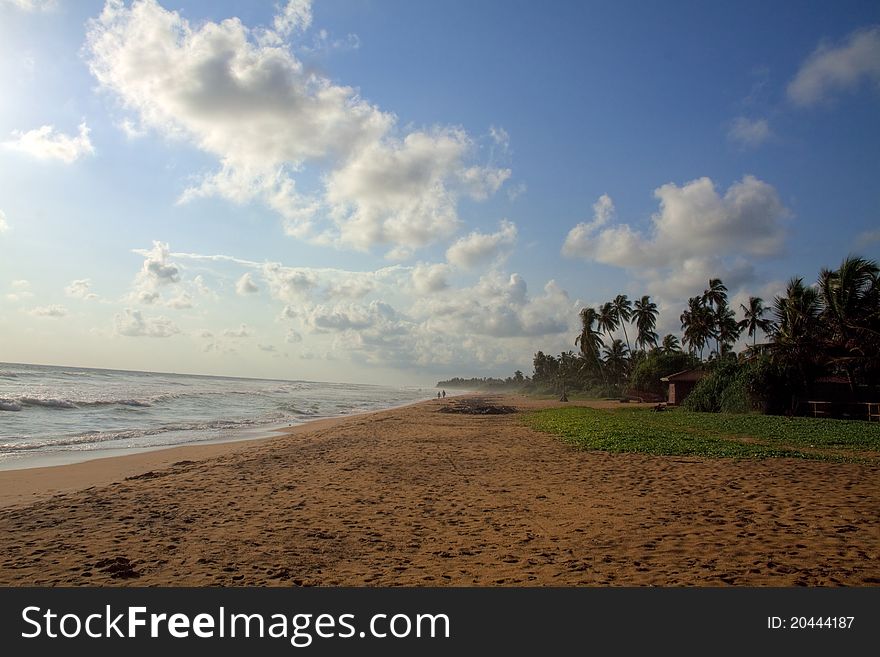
pixel 400 191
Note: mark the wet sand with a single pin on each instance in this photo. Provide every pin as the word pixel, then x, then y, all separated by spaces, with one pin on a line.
pixel 416 497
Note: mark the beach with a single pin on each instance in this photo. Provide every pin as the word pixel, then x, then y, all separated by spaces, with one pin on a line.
pixel 417 497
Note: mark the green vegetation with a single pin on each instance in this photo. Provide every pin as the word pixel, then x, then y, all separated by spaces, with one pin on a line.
pixel 830 332
pixel 687 433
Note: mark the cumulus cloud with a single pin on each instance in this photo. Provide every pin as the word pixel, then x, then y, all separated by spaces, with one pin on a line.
pixel 49 311
pixel 498 307
pixel 480 248
pixel 45 143
pixel 404 192
pixel 748 133
pixel 694 220
pixel 697 234
pixel 80 289
pixel 181 301
pixel 156 271
pixel 835 68
pixel 254 106
pixel 293 336
pixel 157 267
pixel 266 347
pixel 132 323
pixel 4 225
pixel 428 278
pixel 245 285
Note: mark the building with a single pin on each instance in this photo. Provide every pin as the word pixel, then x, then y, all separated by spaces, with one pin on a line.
pixel 681 384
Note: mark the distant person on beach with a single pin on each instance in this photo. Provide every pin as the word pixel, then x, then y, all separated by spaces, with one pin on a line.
pixel 438 395
pixel 444 394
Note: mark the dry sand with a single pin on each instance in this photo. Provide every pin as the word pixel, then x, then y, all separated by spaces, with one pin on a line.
pixel 416 497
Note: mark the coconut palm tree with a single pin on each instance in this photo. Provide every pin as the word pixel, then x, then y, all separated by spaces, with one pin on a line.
pixel 606 320
pixel 727 329
pixel 623 314
pixel 697 325
pixel 716 294
pixel 645 316
pixel 797 343
pixel 670 344
pixel 851 316
pixel 753 319
pixel 589 339
pixel 616 360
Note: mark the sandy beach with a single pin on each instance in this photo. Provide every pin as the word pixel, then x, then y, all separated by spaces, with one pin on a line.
pixel 416 497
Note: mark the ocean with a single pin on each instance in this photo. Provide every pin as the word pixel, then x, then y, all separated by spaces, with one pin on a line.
pixel 54 415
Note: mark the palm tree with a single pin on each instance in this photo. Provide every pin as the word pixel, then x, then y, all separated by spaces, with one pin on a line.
pixel 727 329
pixel 696 323
pixel 716 294
pixel 851 316
pixel 589 339
pixel 645 317
pixel 623 313
pixel 616 360
pixel 670 344
pixel 797 330
pixel 606 320
pixel 753 319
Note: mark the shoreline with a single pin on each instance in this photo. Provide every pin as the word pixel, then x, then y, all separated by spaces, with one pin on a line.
pixel 60 458
pixel 417 497
pixel 23 485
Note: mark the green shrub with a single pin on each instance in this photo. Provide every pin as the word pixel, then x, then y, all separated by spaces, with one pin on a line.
pixel 647 374
pixel 706 395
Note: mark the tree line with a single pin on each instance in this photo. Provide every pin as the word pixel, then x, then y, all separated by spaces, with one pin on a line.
pixel 830 328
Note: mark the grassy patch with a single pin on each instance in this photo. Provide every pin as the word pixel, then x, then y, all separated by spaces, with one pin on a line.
pixel 684 433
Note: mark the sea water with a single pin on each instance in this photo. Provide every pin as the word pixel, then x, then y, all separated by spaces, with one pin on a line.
pixel 64 414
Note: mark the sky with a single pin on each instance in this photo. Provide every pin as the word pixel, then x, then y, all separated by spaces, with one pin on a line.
pixel 390 191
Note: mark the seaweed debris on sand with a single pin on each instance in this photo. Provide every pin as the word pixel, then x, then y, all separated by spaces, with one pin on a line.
pixel 476 406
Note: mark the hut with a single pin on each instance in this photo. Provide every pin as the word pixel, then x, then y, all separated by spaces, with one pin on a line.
pixel 681 384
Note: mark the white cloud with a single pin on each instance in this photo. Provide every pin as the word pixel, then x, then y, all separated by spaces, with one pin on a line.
pixel 405 192
pixel 45 143
pixel 4 225
pixel 266 347
pixel 295 16
pixel 697 234
pixel 830 69
pixel 21 290
pixel 156 271
pixel 245 285
pixel 80 289
pixel 181 301
pixel 428 278
pixel 293 336
pixel 749 133
pixel 868 237
pixel 480 248
pixel 49 311
pixel 31 5
pixel 132 323
pixel 264 116
pixel 498 307
pixel 693 221
pixel 288 284
pixel 500 137
pixel 516 191
pixel 241 332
